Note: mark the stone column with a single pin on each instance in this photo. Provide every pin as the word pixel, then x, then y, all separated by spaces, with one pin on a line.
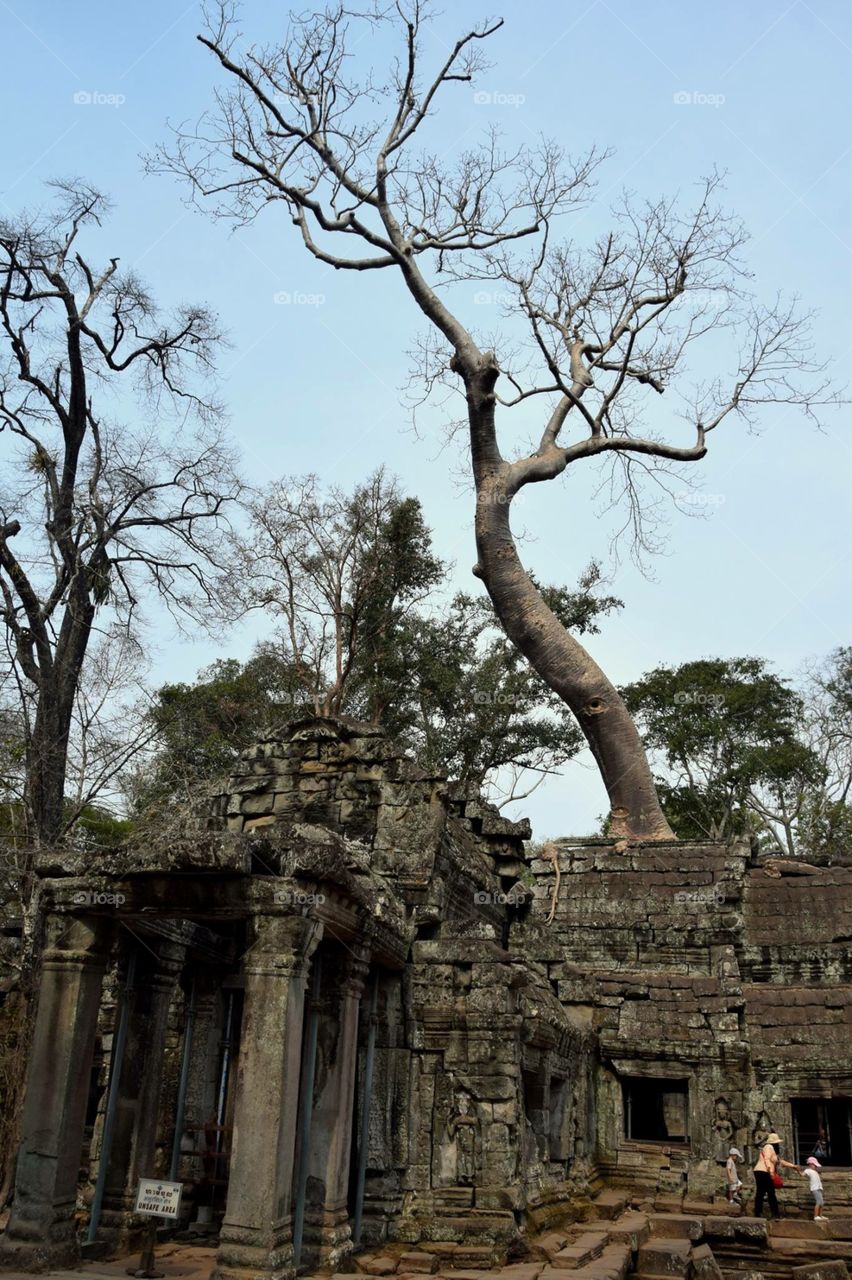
pixel 256 1235
pixel 41 1231
pixel 328 1234
pixel 133 1148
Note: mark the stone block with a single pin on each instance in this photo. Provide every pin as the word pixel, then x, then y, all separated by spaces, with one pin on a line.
pixel 830 1269
pixel 419 1261
pixel 704 1265
pixel 675 1226
pixel 615 1261
pixel 581 1251
pixel 631 1228
pixel 753 1230
pixel 547 1246
pixel 611 1203
pixel 719 1227
pixel 789 1228
pixel 664 1258
pixel 668 1203
pixel 383 1265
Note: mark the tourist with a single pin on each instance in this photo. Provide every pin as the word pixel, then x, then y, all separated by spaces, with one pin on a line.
pixel 811 1172
pixel 765 1171
pixel 732 1177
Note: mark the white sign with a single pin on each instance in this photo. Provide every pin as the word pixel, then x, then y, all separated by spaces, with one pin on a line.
pixel 160 1199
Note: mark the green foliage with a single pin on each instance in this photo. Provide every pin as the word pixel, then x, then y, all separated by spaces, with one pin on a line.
pixel 202 727
pixel 100 828
pixel 447 684
pixel 728 735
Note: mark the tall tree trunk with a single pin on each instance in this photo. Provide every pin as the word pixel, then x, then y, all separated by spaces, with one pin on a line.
pixel 568 669
pixel 46 768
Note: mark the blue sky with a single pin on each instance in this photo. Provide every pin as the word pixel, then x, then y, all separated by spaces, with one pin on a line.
pixel 319 387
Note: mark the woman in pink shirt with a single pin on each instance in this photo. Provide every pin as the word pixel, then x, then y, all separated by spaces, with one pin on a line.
pixel 767 1165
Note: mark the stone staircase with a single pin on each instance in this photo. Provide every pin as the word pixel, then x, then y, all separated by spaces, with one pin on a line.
pixel 667 1239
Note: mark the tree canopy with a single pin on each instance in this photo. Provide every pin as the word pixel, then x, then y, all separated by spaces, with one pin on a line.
pixel 737 749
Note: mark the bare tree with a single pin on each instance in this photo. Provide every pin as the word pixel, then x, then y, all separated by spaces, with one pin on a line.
pixel 92 512
pixel 606 329
pixel 108 730
pixel 333 568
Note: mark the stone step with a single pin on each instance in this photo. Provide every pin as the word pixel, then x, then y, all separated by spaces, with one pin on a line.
pixel 669 1202
pixel 610 1203
pixel 581 1251
pixel 801 1229
pixel 418 1261
pixel 612 1264
pixel 631 1228
pixel 660 1257
pixel 810 1250
pixel 839 1228
pixel 704 1264
pixel 753 1231
pixel 548 1245
pixel 675 1226
pixel 381 1265
pixel 697 1207
pixel 822 1271
pixel 472 1256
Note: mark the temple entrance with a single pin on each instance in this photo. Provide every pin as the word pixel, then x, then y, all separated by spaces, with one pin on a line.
pixel 656 1110
pixel 822 1127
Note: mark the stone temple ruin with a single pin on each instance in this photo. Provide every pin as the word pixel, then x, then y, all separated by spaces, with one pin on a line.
pixel 357 1011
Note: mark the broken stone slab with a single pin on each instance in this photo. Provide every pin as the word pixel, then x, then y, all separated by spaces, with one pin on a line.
pixel 418 1260
pixel 675 1226
pixel 834 1269
pixel 664 1258
pixel 704 1265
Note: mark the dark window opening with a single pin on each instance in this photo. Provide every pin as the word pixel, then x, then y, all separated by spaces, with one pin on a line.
pixel 656 1110
pixel 822 1127
pixel 536 1112
pixel 559 1147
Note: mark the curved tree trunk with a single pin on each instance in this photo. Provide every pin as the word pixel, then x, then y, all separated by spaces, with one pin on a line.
pixel 568 669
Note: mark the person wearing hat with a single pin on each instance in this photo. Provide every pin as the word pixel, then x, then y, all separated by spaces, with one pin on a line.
pixel 732 1177
pixel 765 1171
pixel 811 1172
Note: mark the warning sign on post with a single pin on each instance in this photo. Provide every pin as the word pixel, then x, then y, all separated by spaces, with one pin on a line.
pixel 159 1199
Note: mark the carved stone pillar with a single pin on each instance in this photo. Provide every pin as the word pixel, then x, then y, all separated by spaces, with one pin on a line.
pixel 41 1231
pixel 256 1236
pixel 132 1152
pixel 328 1235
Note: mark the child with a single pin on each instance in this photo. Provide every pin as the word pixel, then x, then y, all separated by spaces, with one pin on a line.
pixel 811 1172
pixel 732 1176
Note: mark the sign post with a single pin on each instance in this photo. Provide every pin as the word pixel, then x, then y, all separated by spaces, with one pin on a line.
pixel 154 1200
